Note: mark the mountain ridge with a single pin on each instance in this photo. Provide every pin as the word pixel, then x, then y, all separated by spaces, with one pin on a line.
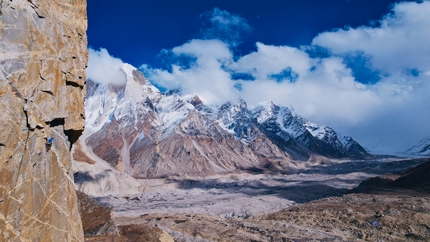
pixel 148 134
pixel 421 148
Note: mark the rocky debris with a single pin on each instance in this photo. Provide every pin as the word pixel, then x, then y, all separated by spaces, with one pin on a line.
pixel 144 233
pixel 400 217
pixel 245 207
pixel 353 217
pixel 99 224
pixel 42 88
pixel 348 218
pixel 199 227
pixel 135 233
pixel 393 208
pixel 96 219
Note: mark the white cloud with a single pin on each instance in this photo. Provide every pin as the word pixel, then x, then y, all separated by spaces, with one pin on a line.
pixel 225 26
pixel 390 115
pixel 205 50
pixel 205 77
pixel 400 43
pixel 325 90
pixel 269 60
pixel 105 69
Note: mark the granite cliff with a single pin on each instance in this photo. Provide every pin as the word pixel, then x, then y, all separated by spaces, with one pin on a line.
pixel 43 56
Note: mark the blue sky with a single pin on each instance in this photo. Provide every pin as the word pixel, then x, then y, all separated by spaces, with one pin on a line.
pixel 137 30
pixel 361 67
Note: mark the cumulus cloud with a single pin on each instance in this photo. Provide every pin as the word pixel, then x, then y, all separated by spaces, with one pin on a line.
pixel 400 43
pixel 104 68
pixel 270 60
pixel 225 26
pixel 389 113
pixel 205 76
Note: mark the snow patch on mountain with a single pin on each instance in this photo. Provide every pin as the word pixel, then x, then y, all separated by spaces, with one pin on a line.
pixel 172 110
pixel 421 148
pixel 98 108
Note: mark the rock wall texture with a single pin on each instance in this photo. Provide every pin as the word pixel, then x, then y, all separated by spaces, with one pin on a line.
pixel 43 56
pixel 97 220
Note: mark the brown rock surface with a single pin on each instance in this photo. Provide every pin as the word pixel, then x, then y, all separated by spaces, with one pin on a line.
pixel 96 219
pixel 196 147
pixel 43 55
pixel 135 233
pixel 144 233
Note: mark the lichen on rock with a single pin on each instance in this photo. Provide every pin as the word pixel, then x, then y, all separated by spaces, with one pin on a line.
pixel 43 56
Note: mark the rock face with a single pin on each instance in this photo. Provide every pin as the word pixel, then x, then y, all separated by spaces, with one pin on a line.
pixel 43 56
pixel 140 131
pixel 96 219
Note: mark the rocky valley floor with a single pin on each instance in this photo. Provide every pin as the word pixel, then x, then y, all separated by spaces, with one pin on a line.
pixel 315 204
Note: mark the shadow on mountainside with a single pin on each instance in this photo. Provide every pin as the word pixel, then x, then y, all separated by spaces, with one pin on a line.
pixel 366 166
pixel 306 186
pixel 297 191
pixel 81 177
pixel 413 181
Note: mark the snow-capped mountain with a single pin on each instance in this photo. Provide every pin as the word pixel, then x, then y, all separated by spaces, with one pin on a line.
pixel 422 148
pixel 343 145
pixel 145 133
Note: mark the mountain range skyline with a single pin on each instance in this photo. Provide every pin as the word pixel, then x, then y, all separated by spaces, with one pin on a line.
pixel 144 133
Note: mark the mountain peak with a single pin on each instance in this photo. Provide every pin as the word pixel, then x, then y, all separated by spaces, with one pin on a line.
pixel 196 101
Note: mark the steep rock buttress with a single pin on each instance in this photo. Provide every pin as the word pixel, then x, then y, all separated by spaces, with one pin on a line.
pixel 43 56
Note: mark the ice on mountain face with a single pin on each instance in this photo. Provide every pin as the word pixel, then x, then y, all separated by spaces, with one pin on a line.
pixel 280 121
pixel 128 69
pixel 422 148
pixel 137 100
pixel 279 116
pixel 226 118
pixel 128 103
pixel 237 120
pixel 228 114
pixel 172 110
pixel 289 123
pixel 264 111
pixel 141 84
pixel 328 135
pixel 99 107
pixel 285 123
